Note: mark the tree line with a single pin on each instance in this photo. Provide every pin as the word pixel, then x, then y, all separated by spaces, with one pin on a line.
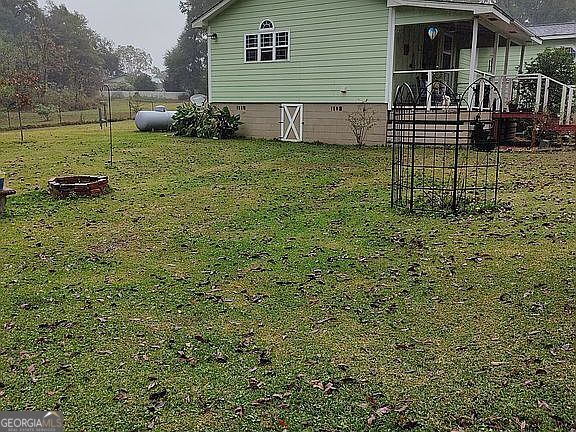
pixel 52 56
pixel 534 12
pixel 186 63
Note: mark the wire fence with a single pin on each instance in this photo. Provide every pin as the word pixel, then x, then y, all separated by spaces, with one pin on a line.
pixel 122 109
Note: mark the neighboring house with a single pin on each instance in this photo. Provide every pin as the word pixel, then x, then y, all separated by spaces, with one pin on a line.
pixel 295 69
pixel 121 82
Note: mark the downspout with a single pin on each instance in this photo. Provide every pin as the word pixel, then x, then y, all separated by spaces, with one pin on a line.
pixel 209 65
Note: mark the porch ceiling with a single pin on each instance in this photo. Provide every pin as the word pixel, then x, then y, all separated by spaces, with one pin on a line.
pixel 490 16
pixel 462 31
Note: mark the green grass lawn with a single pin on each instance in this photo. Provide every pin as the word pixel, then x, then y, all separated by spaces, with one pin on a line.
pixel 259 286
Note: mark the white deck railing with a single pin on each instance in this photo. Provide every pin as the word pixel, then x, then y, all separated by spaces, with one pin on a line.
pixel 456 81
pixel 540 94
pixel 535 93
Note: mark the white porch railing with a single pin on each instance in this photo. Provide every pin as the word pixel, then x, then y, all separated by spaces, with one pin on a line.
pixel 456 81
pixel 535 93
pixel 540 94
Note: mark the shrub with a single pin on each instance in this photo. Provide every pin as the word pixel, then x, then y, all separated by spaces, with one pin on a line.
pixel 121 86
pixel 361 122
pixel 45 111
pixel 144 82
pixel 207 121
pixel 135 104
pixel 556 63
pixel 226 124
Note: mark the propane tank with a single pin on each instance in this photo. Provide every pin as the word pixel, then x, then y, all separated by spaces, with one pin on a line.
pixel 158 120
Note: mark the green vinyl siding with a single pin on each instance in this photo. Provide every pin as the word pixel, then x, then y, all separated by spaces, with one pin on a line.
pixel 334 45
pixel 463 77
pixel 417 15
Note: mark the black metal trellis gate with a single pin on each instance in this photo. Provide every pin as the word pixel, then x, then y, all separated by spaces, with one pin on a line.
pixel 446 153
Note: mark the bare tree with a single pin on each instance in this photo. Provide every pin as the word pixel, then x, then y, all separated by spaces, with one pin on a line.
pixel 361 122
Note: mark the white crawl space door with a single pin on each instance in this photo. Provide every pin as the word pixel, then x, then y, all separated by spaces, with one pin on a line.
pixel 292 122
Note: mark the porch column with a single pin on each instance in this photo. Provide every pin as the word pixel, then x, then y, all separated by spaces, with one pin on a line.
pixel 571 93
pixel 473 59
pixel 538 93
pixel 495 53
pixel 546 94
pixel 390 56
pixel 474 52
pixel 507 56
pixel 506 83
pixel 563 105
pixel 522 55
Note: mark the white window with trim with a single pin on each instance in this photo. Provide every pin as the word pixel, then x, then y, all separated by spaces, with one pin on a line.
pixel 268 45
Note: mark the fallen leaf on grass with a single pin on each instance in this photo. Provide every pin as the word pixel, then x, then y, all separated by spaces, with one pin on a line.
pixel 407 423
pixel 65 367
pixel 325 320
pixel 261 401
pixel 327 388
pixel 201 339
pixel 478 258
pixel 183 357
pixel 254 384
pixel 158 395
pixel 317 384
pixel 377 414
pixel 220 357
pixel 122 395
pixel 285 283
pixel 55 325
pixel 381 411
pixel 264 358
pixel 521 424
pixel 402 408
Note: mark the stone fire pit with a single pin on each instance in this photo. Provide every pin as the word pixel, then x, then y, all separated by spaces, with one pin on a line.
pixel 80 186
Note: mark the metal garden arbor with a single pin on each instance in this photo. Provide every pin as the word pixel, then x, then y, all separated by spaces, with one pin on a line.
pixel 446 153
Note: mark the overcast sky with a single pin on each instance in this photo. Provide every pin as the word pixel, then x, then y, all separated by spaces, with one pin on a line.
pixel 153 25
